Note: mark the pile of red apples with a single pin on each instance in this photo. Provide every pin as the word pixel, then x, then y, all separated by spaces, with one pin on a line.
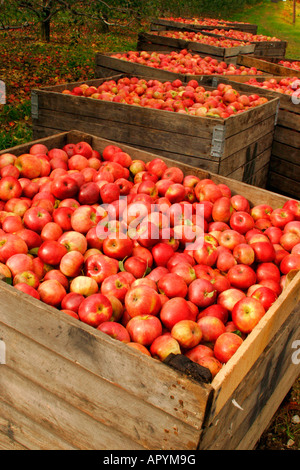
pixel 185 62
pixel 242 36
pixel 291 64
pixel 162 261
pixel 191 98
pixel 223 41
pixel 287 86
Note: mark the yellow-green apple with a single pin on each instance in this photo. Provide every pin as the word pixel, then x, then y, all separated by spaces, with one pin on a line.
pixel 230 297
pixel 84 285
pixel 188 333
pixel 73 240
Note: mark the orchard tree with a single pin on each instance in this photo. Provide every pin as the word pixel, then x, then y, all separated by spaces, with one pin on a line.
pixel 103 14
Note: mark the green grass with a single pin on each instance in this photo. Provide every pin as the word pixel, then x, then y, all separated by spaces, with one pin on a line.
pixel 275 19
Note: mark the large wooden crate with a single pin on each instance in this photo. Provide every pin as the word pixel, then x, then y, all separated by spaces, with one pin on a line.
pixel 273 49
pixel 65 385
pixel 239 146
pixel 163 24
pixel 268 65
pixel 106 66
pixel 284 168
pixel 158 42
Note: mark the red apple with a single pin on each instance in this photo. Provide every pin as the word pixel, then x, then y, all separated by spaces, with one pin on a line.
pixel 246 314
pixel 142 300
pixel 144 329
pixel 202 293
pixel 163 346
pixel 241 276
pixel 174 310
pixel 265 295
pixel 226 345
pixel 95 309
pixel 115 330
pixel 172 285
pixel 51 292
pixel 211 327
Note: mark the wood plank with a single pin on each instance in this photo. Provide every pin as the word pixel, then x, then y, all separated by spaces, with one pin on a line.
pixel 131 134
pixel 247 171
pixel 286 152
pixel 283 185
pixel 148 39
pixel 289 170
pixel 247 154
pixel 269 66
pixel 247 412
pixel 287 136
pixel 246 137
pixel 260 178
pixel 54 415
pixel 126 114
pixel 22 432
pixel 91 395
pixel 289 119
pixel 106 358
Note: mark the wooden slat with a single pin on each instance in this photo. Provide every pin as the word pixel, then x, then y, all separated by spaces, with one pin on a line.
pixel 286 152
pixel 269 66
pixel 289 170
pixel 287 136
pixel 246 172
pixel 246 155
pixel 61 377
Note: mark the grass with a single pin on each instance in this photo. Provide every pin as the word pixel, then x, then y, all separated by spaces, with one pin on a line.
pixel 275 19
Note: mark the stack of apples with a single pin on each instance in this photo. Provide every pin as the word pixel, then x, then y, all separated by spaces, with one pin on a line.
pixel 201 21
pixel 163 261
pixel 242 36
pixel 288 86
pixel 292 64
pixel 191 98
pixel 226 42
pixel 185 62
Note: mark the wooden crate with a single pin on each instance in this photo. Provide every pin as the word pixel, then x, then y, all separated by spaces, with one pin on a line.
pixel 284 169
pixel 268 65
pixel 238 146
pixel 274 49
pixel 106 66
pixel 65 385
pixel 157 42
pixel 161 24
